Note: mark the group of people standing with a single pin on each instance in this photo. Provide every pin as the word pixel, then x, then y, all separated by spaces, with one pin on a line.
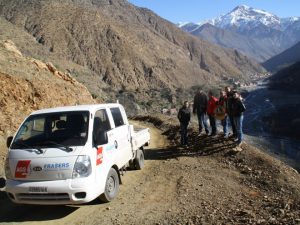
pixel 228 108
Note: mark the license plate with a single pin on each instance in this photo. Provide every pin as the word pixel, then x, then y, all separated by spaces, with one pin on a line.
pixel 38 189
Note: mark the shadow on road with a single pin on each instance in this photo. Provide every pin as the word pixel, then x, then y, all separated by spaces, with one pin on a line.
pixel 11 212
pixel 199 147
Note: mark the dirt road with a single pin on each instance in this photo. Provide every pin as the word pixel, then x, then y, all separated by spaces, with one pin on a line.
pixel 200 185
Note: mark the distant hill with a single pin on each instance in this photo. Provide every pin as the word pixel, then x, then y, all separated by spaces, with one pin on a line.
pixel 254 48
pixel 113 46
pixel 284 59
pixel 287 79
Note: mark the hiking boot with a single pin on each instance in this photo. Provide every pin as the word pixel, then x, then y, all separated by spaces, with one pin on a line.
pixel 240 143
pixel 237 149
pixel 234 136
pixel 212 134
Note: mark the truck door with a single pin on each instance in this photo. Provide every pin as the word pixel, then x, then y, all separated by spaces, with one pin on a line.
pixel 100 128
pixel 122 137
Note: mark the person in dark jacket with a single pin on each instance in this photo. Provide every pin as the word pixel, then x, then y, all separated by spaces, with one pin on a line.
pixel 200 108
pixel 229 105
pixel 211 108
pixel 238 109
pixel 184 116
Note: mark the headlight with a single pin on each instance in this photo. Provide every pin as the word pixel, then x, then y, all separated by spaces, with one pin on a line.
pixel 82 167
pixel 7 169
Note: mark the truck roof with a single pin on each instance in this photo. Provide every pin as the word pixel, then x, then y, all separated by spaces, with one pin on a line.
pixel 92 107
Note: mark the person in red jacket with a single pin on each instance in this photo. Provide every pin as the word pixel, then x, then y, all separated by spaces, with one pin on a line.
pixel 211 108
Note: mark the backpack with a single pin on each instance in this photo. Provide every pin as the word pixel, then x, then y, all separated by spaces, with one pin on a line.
pixel 220 112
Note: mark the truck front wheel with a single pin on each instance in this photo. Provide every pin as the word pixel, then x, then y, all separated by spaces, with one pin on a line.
pixel 111 186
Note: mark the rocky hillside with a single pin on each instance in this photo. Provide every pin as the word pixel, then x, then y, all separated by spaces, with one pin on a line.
pixel 28 84
pixel 123 47
pixel 284 59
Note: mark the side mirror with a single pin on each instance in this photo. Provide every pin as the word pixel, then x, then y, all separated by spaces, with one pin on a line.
pixel 9 140
pixel 2 182
pixel 100 138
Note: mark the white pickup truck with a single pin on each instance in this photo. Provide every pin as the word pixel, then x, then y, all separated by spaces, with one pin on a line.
pixel 72 155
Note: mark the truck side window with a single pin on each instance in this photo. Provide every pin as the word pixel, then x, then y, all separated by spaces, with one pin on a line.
pixel 117 116
pixel 101 125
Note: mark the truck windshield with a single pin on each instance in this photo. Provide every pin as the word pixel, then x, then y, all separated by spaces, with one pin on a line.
pixel 53 129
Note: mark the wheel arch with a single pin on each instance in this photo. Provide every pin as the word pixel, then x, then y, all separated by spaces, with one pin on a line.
pixel 116 168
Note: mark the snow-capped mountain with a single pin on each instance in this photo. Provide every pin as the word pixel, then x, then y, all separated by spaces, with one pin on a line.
pixel 255 32
pixel 243 18
pixel 188 27
pixel 243 15
pixel 286 22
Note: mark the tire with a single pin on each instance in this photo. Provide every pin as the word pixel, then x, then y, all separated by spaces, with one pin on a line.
pixel 132 165
pixel 139 160
pixel 2 182
pixel 111 186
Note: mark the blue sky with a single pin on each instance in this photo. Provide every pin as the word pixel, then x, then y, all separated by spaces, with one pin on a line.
pixel 197 10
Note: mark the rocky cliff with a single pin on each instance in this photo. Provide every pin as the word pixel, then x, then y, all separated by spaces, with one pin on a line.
pixel 28 84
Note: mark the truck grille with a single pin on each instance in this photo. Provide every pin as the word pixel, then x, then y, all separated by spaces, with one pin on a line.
pixel 44 196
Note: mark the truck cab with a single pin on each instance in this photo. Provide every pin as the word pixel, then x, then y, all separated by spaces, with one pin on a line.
pixel 72 155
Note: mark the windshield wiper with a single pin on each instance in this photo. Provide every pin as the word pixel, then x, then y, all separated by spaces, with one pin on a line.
pixel 28 146
pixel 59 146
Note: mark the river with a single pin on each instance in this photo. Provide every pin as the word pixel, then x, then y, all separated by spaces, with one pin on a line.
pixel 260 103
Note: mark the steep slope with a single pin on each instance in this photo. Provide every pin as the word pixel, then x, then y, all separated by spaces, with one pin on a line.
pixel 284 59
pixel 28 84
pixel 285 119
pixel 125 47
pixel 287 79
pixel 292 31
pixel 254 48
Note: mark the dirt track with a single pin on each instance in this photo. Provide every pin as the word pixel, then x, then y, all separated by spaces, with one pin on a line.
pixel 200 185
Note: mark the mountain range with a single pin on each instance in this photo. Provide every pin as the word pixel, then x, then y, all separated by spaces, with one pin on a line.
pixel 256 33
pixel 113 47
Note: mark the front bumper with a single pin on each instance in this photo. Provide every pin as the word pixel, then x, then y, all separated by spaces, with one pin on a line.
pixel 58 192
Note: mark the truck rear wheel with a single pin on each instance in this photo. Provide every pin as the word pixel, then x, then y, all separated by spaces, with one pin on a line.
pixel 111 186
pixel 139 160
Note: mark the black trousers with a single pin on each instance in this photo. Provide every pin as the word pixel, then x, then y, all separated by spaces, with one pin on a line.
pixel 212 121
pixel 184 133
pixel 232 125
